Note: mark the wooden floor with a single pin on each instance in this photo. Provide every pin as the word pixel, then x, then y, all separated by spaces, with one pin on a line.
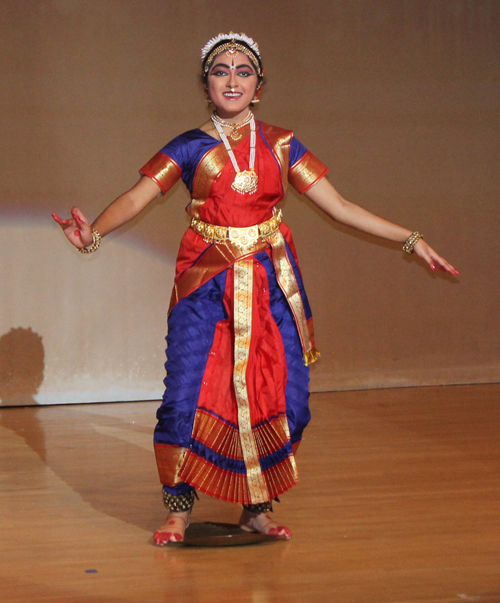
pixel 398 501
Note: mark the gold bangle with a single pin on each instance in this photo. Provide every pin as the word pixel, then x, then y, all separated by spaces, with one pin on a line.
pixel 411 241
pixel 96 241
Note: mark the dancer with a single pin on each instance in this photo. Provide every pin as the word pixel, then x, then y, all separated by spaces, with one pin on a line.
pixel 240 333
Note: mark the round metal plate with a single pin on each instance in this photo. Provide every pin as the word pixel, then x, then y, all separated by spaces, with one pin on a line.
pixel 209 534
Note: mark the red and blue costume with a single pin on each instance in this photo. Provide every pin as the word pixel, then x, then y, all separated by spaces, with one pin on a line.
pixel 240 332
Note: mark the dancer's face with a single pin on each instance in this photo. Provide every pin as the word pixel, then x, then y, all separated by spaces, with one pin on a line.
pixel 232 82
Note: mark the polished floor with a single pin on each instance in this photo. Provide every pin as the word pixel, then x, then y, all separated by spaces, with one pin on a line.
pixel 398 501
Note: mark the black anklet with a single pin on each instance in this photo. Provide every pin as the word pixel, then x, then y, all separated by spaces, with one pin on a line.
pixel 180 502
pixel 266 507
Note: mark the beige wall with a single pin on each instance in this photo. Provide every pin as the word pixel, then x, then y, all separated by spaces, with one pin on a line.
pixel 399 98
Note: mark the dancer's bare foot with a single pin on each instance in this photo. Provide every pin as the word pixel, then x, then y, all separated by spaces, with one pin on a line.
pixel 173 529
pixel 262 523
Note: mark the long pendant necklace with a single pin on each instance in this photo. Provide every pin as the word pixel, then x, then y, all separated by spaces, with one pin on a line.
pixel 245 182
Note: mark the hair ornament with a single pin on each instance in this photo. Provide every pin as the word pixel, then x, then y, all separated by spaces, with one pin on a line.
pixel 231 44
pixel 241 37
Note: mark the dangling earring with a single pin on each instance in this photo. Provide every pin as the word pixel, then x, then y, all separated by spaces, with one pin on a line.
pixel 257 94
pixel 208 99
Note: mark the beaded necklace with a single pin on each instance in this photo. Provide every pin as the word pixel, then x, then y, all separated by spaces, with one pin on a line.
pixel 235 135
pixel 245 182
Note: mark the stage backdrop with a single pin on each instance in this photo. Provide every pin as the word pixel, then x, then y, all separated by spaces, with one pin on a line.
pixel 399 98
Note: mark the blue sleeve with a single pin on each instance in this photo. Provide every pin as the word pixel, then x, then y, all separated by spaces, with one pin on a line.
pixel 297 151
pixel 187 150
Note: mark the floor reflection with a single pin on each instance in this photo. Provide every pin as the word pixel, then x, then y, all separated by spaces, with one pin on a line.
pixel 115 476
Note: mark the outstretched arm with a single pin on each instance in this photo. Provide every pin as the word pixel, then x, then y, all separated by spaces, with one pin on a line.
pixel 327 198
pixel 123 209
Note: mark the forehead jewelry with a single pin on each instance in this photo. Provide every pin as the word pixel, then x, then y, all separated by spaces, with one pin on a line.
pixel 234 37
pixel 245 182
pixel 231 48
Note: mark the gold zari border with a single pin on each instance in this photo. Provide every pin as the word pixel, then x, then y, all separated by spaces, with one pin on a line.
pixel 306 172
pixel 243 292
pixel 163 170
pixel 280 140
pixel 229 485
pixel 216 259
pixel 168 460
pixel 288 284
pixel 209 168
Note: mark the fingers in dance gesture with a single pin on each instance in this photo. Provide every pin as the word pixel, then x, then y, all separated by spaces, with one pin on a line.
pixel 85 236
pixel 328 199
pixel 77 229
pixel 435 261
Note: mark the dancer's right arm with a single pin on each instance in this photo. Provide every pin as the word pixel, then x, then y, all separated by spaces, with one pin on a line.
pixel 123 209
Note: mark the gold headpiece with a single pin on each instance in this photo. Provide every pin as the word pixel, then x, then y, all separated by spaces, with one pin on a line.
pixel 231 47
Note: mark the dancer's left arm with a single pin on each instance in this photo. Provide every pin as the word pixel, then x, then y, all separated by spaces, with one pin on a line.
pixel 328 199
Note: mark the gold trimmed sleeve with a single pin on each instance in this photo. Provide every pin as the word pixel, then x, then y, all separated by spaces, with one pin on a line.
pixel 306 172
pixel 163 170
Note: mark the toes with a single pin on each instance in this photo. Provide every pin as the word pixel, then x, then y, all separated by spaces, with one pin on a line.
pixel 281 531
pixel 163 538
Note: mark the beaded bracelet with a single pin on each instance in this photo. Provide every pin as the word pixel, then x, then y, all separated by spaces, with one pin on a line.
pixel 96 241
pixel 411 241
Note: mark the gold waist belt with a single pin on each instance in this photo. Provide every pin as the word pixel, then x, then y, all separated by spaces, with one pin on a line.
pixel 242 238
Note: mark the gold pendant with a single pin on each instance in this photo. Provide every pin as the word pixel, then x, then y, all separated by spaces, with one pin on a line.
pixel 236 134
pixel 245 182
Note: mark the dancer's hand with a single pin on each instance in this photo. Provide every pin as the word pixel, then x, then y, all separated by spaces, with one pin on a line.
pixel 77 229
pixel 435 261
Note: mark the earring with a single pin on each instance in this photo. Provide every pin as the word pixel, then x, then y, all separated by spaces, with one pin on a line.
pixel 257 94
pixel 209 101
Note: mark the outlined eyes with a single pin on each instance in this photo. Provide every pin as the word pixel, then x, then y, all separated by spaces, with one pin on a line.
pixel 224 72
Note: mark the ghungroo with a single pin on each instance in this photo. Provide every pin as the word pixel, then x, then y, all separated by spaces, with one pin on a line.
pixel 266 507
pixel 180 502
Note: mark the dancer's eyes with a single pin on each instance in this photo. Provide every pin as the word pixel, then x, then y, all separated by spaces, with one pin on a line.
pixel 222 70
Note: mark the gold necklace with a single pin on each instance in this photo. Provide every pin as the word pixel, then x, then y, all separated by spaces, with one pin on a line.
pixel 245 182
pixel 234 134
